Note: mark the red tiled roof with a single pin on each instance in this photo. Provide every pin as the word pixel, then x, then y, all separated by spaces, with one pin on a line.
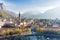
pixel 4 28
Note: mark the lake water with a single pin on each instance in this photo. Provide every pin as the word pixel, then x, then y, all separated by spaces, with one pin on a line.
pixel 30 38
pixel 38 36
pixel 35 38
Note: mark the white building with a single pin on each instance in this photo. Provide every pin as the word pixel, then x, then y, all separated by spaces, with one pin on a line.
pixel 1 23
pixel 55 25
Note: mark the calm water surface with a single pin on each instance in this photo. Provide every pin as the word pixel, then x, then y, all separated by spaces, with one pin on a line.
pixel 35 38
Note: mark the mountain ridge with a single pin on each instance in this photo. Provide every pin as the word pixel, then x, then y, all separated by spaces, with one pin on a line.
pixel 49 14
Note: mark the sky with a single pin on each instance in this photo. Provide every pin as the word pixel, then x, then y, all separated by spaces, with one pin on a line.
pixel 30 5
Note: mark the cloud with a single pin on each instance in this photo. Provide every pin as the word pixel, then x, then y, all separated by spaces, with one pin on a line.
pixel 38 9
pixel 33 5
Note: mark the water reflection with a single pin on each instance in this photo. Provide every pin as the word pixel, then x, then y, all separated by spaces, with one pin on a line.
pixel 31 38
pixel 35 38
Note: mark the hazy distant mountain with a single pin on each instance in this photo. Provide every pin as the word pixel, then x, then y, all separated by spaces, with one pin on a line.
pixel 31 15
pixel 54 13
pixel 50 14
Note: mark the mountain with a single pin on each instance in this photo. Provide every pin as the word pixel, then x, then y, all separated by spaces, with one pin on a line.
pixel 6 14
pixel 11 13
pixel 50 14
pixel 53 13
pixel 31 15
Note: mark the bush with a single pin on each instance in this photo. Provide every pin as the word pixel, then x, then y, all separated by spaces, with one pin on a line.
pixel 4 33
pixel 40 29
pixel 11 31
pixel 29 30
pixel 18 31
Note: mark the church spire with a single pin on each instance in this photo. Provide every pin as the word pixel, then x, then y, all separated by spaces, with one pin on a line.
pixel 19 18
pixel 19 15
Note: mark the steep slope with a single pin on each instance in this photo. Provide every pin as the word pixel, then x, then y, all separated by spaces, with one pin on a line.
pixel 11 13
pixel 5 14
